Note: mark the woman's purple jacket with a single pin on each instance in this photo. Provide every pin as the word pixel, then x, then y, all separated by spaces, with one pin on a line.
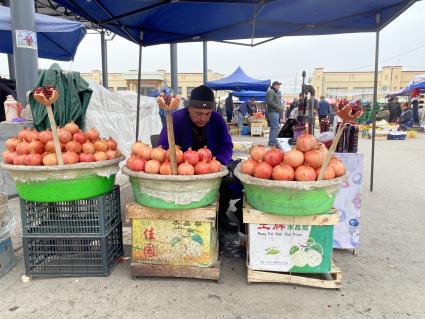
pixel 217 134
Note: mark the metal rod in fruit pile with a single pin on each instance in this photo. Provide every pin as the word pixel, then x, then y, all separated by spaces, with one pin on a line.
pixel 348 113
pixel 172 104
pixel 47 95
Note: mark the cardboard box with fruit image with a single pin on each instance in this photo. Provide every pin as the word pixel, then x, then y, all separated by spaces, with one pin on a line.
pixel 290 248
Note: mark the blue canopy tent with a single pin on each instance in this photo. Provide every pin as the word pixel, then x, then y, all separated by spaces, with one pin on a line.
pixel 418 82
pixel 239 81
pixel 246 95
pixel 172 21
pixel 57 38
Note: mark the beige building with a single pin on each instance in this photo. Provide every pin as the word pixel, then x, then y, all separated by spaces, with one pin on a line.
pixel 152 80
pixel 360 84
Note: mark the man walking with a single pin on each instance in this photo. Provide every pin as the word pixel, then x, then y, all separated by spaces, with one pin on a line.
pixel 324 109
pixel 229 108
pixel 274 107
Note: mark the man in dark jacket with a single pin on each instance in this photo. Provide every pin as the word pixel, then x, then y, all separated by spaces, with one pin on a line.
pixel 324 109
pixel 274 107
pixel 394 108
pixel 228 104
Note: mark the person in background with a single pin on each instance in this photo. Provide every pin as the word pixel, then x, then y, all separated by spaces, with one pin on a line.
pixel 228 104
pixel 293 105
pixel 324 108
pixel 273 108
pixel 7 87
pixel 406 117
pixel 394 108
pixel 244 109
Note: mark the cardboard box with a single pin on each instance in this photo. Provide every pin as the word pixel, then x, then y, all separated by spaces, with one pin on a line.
pixel 290 248
pixel 175 238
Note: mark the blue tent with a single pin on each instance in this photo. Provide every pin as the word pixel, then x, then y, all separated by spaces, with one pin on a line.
pixel 57 39
pixel 418 82
pixel 203 20
pixel 246 95
pixel 239 81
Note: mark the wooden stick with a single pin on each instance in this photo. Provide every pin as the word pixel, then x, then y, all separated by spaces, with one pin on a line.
pixel 171 142
pixel 55 134
pixel 331 151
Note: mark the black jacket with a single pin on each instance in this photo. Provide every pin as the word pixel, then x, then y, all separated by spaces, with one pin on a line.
pixel 7 87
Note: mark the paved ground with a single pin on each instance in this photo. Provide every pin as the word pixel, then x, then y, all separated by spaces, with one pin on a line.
pixel 384 281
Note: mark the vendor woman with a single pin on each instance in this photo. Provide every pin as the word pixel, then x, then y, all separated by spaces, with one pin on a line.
pixel 199 125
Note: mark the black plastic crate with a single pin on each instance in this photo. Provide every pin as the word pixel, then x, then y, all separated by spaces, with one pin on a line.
pixel 73 256
pixel 94 216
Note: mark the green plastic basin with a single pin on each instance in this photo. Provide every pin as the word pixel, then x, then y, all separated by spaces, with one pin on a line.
pixel 175 192
pixel 290 198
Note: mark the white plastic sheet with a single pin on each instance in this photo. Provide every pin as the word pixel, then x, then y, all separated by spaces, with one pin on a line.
pixel 114 114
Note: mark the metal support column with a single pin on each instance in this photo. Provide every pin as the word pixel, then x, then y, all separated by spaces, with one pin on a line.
pixel 173 66
pixel 25 59
pixel 375 99
pixel 104 51
pixel 139 84
pixel 205 62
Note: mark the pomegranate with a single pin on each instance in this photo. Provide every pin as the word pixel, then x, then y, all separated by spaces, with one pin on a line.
pixel 92 135
pixel 215 166
pixel 36 147
pixel 50 159
pixel 191 157
pixel 73 146
pixel 33 159
pixel 152 167
pixel 135 148
pixel 22 135
pixel 22 148
pixel 248 166
pixel 86 157
pixel 145 152
pixel 202 167
pixel 12 143
pixel 263 170
pixel 136 164
pixel 8 156
pixel 64 136
pixel 283 172
pixel 293 158
pixel 100 156
pixel 179 155
pixel 306 142
pixel 50 147
pixel 45 136
pixel 165 169
pixel 110 154
pixel 158 154
pixel 100 146
pixel 337 166
pixel 204 153
pixel 314 158
pixel 32 136
pixel 71 127
pixel 322 148
pixel 112 145
pixel 305 173
pixel 185 169
pixel 88 148
pixel 273 157
pixel 19 159
pixel 258 152
pixel 70 157
pixel 329 172
pixel 79 137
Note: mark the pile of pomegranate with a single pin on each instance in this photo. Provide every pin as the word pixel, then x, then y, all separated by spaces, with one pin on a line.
pixel 302 163
pixel 35 148
pixel 157 160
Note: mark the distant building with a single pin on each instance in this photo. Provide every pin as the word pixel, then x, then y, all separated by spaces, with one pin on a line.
pixel 153 80
pixel 359 85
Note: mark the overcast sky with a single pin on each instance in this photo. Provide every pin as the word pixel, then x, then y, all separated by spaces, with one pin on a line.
pixel 402 43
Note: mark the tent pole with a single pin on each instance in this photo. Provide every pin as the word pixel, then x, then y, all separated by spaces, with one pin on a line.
pixel 25 57
pixel 139 80
pixel 375 100
pixel 173 66
pixel 205 62
pixel 104 52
